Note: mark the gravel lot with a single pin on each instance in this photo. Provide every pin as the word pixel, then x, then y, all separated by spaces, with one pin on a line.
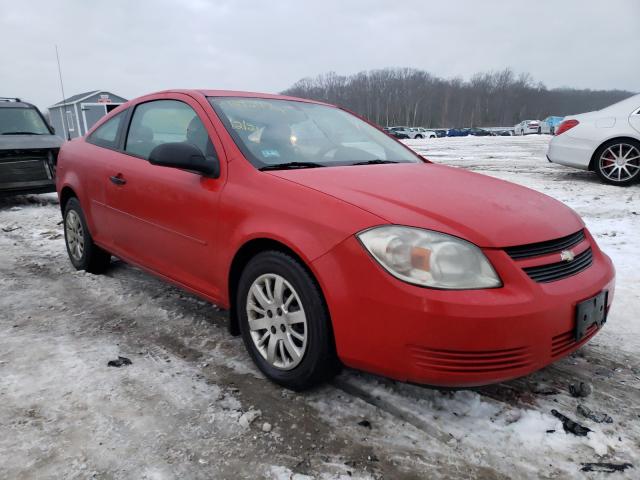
pixel 192 405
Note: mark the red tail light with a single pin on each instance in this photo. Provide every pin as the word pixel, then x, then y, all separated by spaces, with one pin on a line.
pixel 566 125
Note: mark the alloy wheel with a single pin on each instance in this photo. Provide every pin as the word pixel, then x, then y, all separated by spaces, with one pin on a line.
pixel 277 321
pixel 620 162
pixel 75 235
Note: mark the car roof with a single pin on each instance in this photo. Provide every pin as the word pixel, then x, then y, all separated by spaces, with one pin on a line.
pixel 15 104
pixel 628 104
pixel 239 93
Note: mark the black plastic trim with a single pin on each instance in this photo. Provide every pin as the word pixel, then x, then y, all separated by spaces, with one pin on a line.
pixel 544 248
pixel 557 271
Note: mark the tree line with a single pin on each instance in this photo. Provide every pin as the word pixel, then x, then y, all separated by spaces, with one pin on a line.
pixel 405 96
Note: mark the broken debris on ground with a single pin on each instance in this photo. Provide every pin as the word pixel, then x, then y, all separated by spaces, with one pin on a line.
pixel 598 417
pixel 605 467
pixel 580 390
pixel 569 425
pixel 120 362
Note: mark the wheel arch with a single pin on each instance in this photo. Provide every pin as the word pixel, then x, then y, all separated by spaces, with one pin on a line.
pixel 65 194
pixel 243 255
pixel 592 162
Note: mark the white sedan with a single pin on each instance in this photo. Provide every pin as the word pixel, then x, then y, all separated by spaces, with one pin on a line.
pixel 526 127
pixel 606 141
pixel 420 132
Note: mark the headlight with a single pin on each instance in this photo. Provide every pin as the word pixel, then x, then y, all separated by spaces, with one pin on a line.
pixel 429 259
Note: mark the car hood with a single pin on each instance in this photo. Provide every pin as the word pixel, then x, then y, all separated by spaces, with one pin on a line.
pixel 487 211
pixel 28 142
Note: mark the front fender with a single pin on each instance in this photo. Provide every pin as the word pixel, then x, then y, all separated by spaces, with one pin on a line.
pixel 303 220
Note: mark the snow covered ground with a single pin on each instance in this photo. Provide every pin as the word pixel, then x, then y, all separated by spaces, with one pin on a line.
pixel 192 405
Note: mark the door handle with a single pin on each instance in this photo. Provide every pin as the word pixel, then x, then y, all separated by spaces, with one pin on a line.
pixel 118 180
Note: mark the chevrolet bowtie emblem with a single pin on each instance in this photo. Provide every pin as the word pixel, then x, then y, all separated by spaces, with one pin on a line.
pixel 567 256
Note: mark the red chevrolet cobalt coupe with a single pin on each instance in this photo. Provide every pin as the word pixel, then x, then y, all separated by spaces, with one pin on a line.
pixel 330 242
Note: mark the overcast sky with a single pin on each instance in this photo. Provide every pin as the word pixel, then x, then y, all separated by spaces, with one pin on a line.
pixel 136 47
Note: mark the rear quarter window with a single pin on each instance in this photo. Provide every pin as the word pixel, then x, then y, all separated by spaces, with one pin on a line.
pixel 106 135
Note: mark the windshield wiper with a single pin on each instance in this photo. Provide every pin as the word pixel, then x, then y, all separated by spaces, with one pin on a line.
pixel 374 162
pixel 21 133
pixel 290 165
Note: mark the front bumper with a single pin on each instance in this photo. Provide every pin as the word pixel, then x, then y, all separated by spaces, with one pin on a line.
pixel 453 338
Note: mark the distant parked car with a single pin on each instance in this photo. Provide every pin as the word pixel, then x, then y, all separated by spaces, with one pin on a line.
pixel 549 124
pixel 503 133
pixel 440 132
pixel 28 149
pixel 411 132
pixel 526 127
pixel 457 132
pixel 606 142
pixel 479 132
pixel 401 132
pixel 423 133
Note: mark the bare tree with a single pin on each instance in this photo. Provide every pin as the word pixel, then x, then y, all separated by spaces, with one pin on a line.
pixel 405 96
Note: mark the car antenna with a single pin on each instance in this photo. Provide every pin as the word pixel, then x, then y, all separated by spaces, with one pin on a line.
pixel 64 102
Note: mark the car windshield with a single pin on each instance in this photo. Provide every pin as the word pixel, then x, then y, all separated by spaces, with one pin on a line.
pixel 21 121
pixel 291 134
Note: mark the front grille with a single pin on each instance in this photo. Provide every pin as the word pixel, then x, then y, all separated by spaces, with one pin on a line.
pixel 565 342
pixel 23 171
pixel 24 167
pixel 557 271
pixel 544 248
pixel 456 361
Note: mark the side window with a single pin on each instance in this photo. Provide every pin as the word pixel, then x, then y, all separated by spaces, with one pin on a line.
pixel 166 121
pixel 106 135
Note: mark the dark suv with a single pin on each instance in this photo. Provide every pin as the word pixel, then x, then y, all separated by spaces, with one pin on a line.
pixel 28 149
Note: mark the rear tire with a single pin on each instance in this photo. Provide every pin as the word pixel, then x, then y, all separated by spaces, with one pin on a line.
pixel 606 166
pixel 83 252
pixel 284 322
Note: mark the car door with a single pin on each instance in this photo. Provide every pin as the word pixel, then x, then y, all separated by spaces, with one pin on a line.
pixel 102 146
pixel 165 218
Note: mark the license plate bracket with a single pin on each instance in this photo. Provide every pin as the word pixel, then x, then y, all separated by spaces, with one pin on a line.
pixel 590 311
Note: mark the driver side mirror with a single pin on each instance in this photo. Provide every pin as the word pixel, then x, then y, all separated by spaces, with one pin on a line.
pixel 185 156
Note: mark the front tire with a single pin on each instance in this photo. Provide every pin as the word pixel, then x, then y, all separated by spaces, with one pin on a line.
pixel 284 321
pixel 83 252
pixel 618 162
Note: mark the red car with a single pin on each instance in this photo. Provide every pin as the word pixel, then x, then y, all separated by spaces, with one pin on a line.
pixel 331 243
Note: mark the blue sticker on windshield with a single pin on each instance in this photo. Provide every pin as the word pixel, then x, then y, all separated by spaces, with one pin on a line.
pixel 270 153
